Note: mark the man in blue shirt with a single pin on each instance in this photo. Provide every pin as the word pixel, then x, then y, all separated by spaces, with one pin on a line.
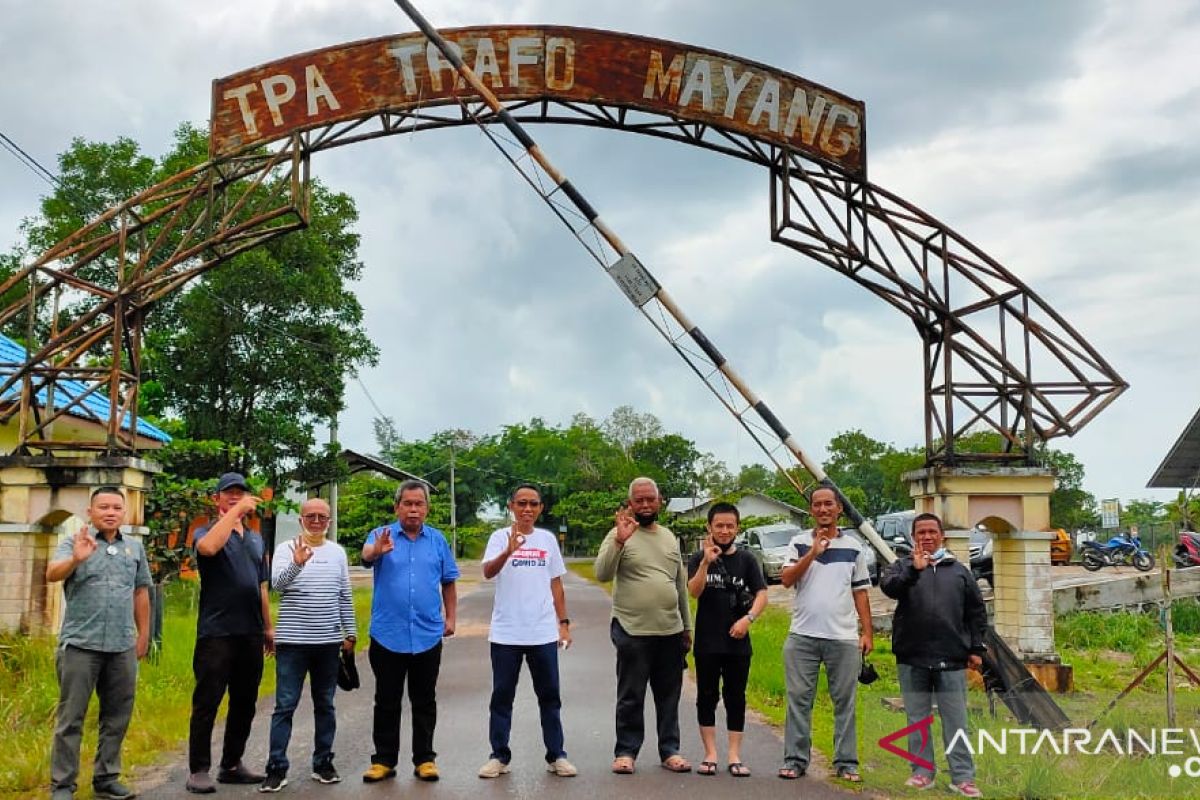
pixel 414 578
pixel 106 629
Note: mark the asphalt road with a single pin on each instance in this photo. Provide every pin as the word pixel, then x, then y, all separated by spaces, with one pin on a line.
pixel 464 687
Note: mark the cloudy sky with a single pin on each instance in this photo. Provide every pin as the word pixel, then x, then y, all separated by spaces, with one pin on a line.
pixel 1061 138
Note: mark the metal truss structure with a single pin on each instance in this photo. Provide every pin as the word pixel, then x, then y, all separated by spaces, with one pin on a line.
pixel 995 354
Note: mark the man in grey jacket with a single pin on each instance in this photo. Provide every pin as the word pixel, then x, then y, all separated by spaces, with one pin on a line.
pixel 937 634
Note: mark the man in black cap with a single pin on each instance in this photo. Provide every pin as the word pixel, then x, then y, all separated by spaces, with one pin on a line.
pixel 233 631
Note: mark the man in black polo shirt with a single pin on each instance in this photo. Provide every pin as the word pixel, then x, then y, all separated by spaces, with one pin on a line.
pixel 233 631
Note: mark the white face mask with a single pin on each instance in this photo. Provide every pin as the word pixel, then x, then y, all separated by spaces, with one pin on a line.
pixel 938 555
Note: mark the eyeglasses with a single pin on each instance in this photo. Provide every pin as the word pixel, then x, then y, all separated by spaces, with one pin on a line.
pixel 526 503
pixel 315 517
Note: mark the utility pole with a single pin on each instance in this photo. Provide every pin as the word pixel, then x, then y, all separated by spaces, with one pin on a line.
pixel 333 487
pixel 453 505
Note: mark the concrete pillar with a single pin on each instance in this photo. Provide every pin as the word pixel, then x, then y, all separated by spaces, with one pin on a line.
pixel 1014 503
pixel 43 498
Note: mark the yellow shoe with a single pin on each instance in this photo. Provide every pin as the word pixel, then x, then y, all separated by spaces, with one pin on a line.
pixel 427 771
pixel 378 772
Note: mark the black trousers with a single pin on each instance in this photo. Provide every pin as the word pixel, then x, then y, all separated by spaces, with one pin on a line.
pixel 659 662
pixel 220 664
pixel 724 676
pixel 391 669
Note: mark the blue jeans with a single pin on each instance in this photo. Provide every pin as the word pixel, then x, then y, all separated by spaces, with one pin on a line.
pixel 543 671
pixel 292 663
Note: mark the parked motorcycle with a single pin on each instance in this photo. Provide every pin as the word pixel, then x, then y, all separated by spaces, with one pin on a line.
pixel 1121 550
pixel 1187 552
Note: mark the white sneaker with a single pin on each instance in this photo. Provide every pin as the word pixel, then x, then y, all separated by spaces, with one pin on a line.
pixel 562 768
pixel 494 768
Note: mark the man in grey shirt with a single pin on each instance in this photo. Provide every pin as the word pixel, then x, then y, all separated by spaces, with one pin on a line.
pixel 106 629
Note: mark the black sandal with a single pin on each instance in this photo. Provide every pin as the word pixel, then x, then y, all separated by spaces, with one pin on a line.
pixel 707 768
pixel 738 770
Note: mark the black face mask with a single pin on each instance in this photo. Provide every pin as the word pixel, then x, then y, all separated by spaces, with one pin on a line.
pixel 725 548
pixel 646 518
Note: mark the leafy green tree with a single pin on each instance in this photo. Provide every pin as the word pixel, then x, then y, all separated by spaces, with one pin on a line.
pixel 1143 512
pixel 364 503
pixel 671 460
pixel 254 353
pixel 626 427
pixel 755 478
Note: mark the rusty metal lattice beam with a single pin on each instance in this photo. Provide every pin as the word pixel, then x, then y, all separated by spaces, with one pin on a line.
pixel 994 353
pixel 113 271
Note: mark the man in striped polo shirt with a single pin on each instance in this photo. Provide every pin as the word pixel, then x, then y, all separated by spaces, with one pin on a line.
pixel 315 620
pixel 830 609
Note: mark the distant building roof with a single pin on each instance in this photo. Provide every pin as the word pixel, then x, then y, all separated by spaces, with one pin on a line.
pixel 357 462
pixel 94 407
pixel 1181 468
pixel 682 505
pixel 679 505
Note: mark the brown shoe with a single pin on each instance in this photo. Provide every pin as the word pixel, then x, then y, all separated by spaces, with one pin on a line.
pixel 378 772
pixel 427 771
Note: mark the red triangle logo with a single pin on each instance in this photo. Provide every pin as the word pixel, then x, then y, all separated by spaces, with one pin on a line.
pixel 887 742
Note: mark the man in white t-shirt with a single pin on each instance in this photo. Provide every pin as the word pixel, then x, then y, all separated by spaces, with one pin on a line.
pixel 831 625
pixel 529 622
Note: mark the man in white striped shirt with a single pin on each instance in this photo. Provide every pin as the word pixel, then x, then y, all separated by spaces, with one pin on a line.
pixel 315 620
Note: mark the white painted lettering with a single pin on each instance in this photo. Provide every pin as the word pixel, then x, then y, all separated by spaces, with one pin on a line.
pixel 404 55
pixel 1172 738
pixel 242 95
pixel 665 81
pixel 837 140
pixel 733 88
pixel 700 80
pixel 318 89
pixel 486 63
pixel 278 89
pixel 519 55
pixel 437 63
pixel 767 103
pixel 809 118
pixel 564 79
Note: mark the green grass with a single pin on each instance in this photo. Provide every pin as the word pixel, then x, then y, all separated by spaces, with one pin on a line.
pixel 587 571
pixel 159 726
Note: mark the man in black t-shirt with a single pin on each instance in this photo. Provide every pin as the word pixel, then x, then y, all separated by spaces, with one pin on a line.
pixel 233 631
pixel 730 594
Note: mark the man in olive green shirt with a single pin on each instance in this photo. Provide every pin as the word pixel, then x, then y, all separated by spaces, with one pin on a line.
pixel 651 625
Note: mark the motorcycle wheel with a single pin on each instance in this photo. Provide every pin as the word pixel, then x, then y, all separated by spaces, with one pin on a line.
pixel 1143 561
pixel 1091 561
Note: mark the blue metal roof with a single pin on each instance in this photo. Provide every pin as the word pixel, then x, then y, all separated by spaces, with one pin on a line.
pixel 94 407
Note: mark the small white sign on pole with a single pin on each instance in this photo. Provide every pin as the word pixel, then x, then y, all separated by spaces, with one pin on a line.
pixel 1110 513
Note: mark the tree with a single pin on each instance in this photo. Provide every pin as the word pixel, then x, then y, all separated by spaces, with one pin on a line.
pixel 626 427
pixel 755 478
pixel 671 460
pixel 255 352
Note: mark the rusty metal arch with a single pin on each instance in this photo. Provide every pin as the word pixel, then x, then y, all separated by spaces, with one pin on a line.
pixel 995 353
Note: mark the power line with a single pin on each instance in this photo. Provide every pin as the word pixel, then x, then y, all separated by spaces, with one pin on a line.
pixel 29 161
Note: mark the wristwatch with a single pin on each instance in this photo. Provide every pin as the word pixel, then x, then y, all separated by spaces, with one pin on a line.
pixel 564 621
pixel 750 616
